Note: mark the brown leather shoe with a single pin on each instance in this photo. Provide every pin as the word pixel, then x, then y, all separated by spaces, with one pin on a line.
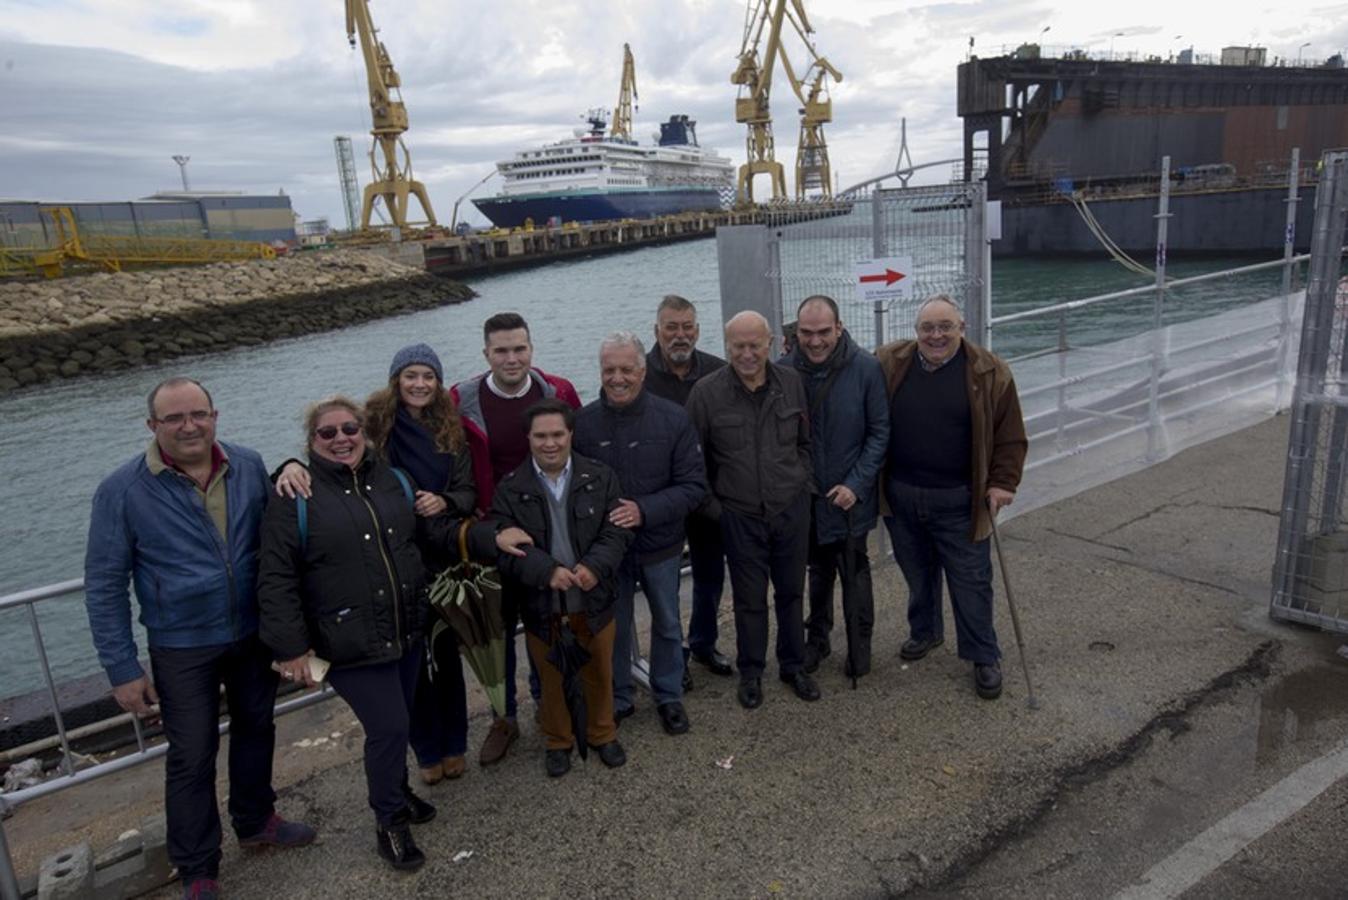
pixel 432 774
pixel 453 766
pixel 503 733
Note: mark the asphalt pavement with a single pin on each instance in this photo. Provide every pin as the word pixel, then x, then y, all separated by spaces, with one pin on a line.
pixel 1165 697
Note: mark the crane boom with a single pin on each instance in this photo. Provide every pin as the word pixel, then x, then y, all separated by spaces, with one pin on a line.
pixel 763 24
pixel 627 96
pixel 392 163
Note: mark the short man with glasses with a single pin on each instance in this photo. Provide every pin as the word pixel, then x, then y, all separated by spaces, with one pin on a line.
pixel 181 521
pixel 956 453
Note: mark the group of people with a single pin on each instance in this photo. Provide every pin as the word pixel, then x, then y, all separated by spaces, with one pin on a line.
pixel 774 470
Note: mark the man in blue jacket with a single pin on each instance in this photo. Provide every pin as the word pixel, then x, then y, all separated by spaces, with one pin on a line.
pixel 182 522
pixel 849 430
pixel 650 443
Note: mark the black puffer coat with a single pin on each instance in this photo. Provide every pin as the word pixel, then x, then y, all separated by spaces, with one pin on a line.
pixel 354 589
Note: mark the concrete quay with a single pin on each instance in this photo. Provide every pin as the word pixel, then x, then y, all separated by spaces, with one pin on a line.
pixel 499 250
pixel 1162 685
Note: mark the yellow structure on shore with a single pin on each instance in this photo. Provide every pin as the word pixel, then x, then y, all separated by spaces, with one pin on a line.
pixel 73 251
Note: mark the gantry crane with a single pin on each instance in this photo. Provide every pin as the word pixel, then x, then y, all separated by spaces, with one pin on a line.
pixel 763 26
pixel 393 180
pixel 627 96
pixel 812 167
pixel 754 76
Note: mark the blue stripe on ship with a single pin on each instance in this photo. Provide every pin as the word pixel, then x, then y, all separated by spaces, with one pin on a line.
pixel 510 212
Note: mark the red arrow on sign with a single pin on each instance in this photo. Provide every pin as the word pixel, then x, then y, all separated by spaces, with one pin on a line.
pixel 889 277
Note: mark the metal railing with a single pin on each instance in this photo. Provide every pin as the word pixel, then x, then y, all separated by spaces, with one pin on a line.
pixel 71 776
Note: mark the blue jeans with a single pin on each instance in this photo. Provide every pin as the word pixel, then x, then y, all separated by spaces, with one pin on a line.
pixel 660 583
pixel 188 681
pixel 930 529
pixel 708 564
pixel 439 726
pixel 510 611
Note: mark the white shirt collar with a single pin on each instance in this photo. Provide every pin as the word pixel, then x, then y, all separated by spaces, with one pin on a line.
pixel 557 486
pixel 524 388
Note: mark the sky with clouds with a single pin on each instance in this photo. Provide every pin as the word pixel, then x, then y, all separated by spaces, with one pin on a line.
pixel 97 95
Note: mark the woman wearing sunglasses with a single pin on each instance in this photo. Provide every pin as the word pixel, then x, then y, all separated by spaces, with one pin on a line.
pixel 412 423
pixel 342 579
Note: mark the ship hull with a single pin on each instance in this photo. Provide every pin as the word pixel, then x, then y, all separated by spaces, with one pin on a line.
pixel 511 212
pixel 1221 223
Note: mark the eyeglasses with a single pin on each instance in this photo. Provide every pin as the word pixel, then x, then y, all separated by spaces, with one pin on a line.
pixel 198 417
pixel 930 328
pixel 328 432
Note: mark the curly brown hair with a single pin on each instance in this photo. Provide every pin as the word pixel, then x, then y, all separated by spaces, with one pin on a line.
pixel 440 418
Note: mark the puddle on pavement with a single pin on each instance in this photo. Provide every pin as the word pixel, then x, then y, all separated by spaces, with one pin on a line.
pixel 1299 707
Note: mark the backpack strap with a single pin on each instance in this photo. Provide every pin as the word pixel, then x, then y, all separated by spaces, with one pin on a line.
pixel 302 514
pixel 407 485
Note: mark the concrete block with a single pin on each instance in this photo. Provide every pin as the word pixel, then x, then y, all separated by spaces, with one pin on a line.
pixel 136 864
pixel 67 874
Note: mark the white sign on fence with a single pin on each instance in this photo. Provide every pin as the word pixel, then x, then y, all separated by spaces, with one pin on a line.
pixel 886 279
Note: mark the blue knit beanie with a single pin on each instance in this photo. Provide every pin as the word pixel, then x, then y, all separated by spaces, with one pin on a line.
pixel 416 355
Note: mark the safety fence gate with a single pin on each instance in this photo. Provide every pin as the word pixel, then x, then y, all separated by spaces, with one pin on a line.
pixel 1310 575
pixel 877 254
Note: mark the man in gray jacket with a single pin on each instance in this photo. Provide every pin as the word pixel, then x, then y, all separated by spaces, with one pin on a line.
pixel 849 428
pixel 751 419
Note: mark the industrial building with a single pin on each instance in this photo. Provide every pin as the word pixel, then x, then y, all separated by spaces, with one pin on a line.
pixel 214 215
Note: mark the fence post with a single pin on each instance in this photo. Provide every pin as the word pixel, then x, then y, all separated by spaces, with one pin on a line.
pixel 879 248
pixel 1158 362
pixel 1280 397
pixel 975 250
pixel 9 879
pixel 1331 202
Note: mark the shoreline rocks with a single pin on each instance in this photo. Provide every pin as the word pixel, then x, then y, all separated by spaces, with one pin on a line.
pixel 93 324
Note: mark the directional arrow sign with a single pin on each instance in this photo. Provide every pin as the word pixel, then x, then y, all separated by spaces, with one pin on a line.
pixel 884 280
pixel 888 277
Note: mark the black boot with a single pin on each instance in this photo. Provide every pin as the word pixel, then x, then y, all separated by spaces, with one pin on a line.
pixel 396 844
pixel 419 812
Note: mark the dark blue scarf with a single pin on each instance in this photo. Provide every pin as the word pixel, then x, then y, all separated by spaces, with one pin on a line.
pixel 412 448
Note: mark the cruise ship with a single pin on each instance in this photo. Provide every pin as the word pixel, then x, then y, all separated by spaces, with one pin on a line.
pixel 594 177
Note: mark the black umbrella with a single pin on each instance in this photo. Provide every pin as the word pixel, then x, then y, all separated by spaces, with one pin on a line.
pixel 568 657
pixel 851 615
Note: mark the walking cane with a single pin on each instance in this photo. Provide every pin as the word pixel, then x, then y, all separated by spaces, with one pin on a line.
pixel 1030 701
pixel 849 591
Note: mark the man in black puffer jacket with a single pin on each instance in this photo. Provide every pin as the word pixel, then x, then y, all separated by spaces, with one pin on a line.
pixel 651 444
pixel 562 501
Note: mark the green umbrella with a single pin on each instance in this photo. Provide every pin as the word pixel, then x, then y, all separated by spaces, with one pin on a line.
pixel 467 599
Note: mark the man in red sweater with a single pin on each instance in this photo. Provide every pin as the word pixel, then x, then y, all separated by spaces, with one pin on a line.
pixel 492 406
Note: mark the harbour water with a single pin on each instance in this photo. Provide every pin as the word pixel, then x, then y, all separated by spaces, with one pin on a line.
pixel 57 442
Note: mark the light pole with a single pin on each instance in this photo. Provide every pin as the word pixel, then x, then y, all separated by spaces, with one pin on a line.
pixel 1040 39
pixel 1299 49
pixel 1117 34
pixel 182 169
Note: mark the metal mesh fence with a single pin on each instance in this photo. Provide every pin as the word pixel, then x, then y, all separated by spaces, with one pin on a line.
pixel 1310 576
pixel 939 229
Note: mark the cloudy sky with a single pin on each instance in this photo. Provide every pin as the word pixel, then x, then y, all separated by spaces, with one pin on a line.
pixel 97 95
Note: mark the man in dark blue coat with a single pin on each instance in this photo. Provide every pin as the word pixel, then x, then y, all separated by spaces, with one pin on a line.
pixel 651 444
pixel 849 429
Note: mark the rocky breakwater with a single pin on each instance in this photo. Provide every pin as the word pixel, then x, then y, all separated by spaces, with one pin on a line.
pixel 91 324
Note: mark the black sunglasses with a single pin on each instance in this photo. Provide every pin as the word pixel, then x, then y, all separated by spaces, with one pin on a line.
pixel 328 432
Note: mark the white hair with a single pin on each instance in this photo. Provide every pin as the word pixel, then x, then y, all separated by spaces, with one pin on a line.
pixel 624 339
pixel 937 298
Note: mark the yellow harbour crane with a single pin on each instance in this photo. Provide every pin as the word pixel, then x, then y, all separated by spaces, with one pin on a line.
pixel 392 166
pixel 763 23
pixel 812 167
pixel 627 97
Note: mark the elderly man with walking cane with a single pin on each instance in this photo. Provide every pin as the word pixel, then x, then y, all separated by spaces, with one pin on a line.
pixel 956 453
